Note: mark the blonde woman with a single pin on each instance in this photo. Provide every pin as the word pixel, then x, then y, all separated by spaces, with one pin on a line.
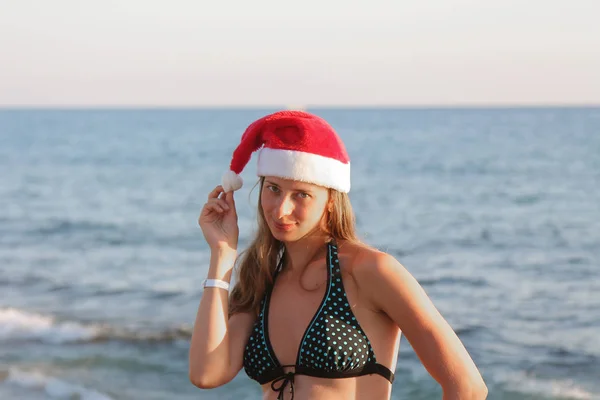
pixel 315 313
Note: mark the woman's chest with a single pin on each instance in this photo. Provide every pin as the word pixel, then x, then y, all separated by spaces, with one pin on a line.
pixel 290 315
pixel 298 317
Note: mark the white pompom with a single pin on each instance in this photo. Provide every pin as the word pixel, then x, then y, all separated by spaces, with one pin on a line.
pixel 231 181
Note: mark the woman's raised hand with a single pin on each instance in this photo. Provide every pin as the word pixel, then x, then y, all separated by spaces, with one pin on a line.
pixel 218 220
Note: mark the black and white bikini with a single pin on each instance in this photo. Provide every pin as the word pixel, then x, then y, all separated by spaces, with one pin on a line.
pixel 333 346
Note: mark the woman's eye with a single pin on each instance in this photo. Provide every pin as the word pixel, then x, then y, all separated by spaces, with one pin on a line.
pixel 273 189
pixel 303 195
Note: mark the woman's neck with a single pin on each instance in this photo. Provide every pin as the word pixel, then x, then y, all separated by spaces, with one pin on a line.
pixel 300 253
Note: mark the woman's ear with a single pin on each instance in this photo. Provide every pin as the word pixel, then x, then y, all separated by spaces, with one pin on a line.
pixel 330 202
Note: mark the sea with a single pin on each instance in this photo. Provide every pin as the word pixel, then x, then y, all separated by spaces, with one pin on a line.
pixel 495 211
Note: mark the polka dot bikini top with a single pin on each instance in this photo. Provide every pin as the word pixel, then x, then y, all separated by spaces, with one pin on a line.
pixel 333 346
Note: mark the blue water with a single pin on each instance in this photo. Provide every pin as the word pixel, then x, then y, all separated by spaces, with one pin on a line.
pixel 495 211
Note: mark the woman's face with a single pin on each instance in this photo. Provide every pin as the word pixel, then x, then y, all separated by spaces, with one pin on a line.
pixel 292 209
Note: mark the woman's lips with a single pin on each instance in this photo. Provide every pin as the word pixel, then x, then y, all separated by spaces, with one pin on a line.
pixel 283 227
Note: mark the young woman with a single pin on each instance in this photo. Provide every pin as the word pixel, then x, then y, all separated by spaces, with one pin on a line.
pixel 315 313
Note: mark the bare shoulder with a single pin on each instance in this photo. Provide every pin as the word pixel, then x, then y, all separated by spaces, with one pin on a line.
pixel 370 263
pixel 383 280
pixel 391 289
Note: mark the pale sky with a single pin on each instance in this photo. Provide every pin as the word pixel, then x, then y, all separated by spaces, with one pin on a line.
pixel 301 53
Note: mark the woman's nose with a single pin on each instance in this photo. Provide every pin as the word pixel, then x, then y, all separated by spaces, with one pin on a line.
pixel 285 207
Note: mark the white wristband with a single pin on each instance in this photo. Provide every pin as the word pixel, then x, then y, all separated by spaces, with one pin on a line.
pixel 215 283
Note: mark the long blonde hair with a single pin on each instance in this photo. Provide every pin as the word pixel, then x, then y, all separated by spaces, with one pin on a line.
pixel 257 264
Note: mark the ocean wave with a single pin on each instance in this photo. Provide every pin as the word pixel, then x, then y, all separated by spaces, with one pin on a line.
pixel 19 325
pixel 468 330
pixel 25 280
pixel 65 226
pixel 84 233
pixel 52 285
pixel 556 388
pixel 89 234
pixel 452 280
pixel 52 387
pixel 22 325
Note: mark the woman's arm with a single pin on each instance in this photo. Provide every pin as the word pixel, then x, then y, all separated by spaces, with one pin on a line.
pixel 217 345
pixel 396 292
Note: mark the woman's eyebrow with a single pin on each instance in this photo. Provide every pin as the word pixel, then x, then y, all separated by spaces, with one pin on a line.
pixel 300 189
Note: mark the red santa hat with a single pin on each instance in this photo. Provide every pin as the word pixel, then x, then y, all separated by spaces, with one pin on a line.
pixel 293 145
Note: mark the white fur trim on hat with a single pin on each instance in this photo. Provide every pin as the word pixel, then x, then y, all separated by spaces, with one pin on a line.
pixel 305 167
pixel 231 181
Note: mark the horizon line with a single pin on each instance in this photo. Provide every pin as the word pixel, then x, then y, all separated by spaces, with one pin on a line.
pixel 293 106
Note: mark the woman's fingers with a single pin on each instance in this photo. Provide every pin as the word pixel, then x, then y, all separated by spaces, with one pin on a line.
pixel 217 205
pixel 215 193
pixel 220 202
pixel 228 198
